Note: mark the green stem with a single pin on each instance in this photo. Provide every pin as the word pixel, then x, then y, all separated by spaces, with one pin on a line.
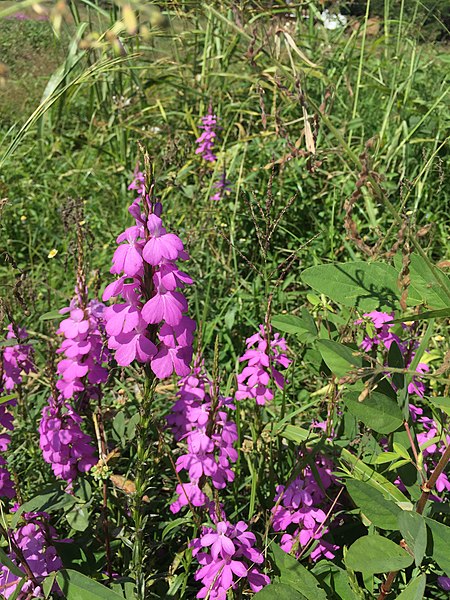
pixel 143 450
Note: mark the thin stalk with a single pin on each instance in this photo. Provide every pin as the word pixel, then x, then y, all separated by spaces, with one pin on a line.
pixel 141 476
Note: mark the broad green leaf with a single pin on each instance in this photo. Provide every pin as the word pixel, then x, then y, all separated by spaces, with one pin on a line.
pixel 52 314
pixel 303 326
pixel 78 517
pixel 434 294
pixel 415 589
pixel 76 586
pixel 276 590
pixel 442 403
pixel 7 562
pixel 295 575
pixel 46 502
pixel 414 532
pixel 377 411
pixel 365 286
pixel 295 433
pixel 376 554
pixel 365 473
pixel 339 359
pixel 441 538
pixel 339 580
pixel 386 457
pixel 381 512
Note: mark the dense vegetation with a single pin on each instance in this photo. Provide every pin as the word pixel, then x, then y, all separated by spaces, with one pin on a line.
pixel 300 160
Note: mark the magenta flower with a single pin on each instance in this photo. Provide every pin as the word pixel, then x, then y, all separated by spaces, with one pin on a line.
pixel 382 339
pixel 35 539
pixel 206 140
pixel 209 434
pixel 151 302
pixel 128 257
pixel 161 245
pixel 300 508
pixel 64 445
pixel 255 379
pixel 231 560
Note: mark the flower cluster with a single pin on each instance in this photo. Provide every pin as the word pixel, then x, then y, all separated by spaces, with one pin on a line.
pixel 149 324
pixel 207 138
pixel 227 555
pixel 83 346
pixel 256 378
pixel 432 440
pixel 301 506
pixel 14 361
pixel 202 421
pixel 63 443
pixel 382 336
pixel 35 540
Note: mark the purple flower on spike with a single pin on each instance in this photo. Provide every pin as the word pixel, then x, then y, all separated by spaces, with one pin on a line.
pixel 207 139
pixel 255 379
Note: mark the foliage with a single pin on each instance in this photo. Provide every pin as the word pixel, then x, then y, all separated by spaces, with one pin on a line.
pixel 303 170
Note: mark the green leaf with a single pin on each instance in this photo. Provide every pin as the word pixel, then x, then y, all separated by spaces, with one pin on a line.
pixel 442 313
pixel 276 590
pixel 295 575
pixel 441 537
pixel 47 584
pixel 7 398
pixel 376 554
pixel 339 359
pixel 7 562
pixel 294 433
pixel 365 286
pixel 381 512
pixel 442 403
pixel 78 517
pixel 395 360
pixel 414 532
pixel 365 473
pixel 52 314
pixel 377 411
pixel 303 326
pixel 433 294
pixel 415 589
pixel 76 586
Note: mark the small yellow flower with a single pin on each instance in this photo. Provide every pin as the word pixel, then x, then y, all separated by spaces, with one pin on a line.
pixel 52 253
pixel 23 218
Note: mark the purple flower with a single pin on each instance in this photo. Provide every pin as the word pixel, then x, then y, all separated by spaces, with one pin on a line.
pixel 206 140
pixel 35 539
pixel 206 429
pixel 444 583
pixel 381 337
pixel 64 445
pixel 15 360
pixel 231 559
pixel 223 187
pixel 300 508
pixel 255 379
pixel 151 302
